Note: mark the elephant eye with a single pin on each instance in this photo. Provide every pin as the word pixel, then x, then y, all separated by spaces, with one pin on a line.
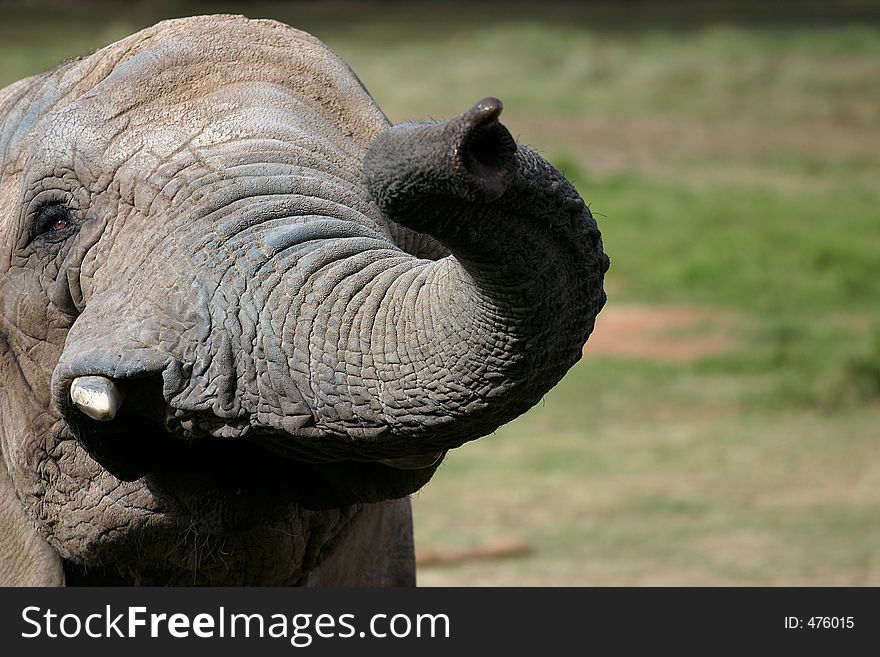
pixel 53 222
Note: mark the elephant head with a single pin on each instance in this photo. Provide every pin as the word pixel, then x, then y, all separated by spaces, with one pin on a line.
pixel 239 310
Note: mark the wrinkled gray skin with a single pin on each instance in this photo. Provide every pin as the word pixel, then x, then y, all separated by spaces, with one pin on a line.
pixel 302 305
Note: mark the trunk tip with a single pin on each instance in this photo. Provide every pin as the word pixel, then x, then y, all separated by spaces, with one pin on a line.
pixel 487 149
pixel 487 109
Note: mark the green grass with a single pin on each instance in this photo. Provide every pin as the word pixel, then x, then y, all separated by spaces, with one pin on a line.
pixel 635 474
pixel 731 168
pixel 779 75
pixel 768 252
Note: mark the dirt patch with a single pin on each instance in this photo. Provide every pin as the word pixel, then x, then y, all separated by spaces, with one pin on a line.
pixel 694 152
pixel 497 550
pixel 615 144
pixel 660 333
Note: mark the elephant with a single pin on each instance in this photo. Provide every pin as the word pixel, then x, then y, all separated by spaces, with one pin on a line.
pixel 243 317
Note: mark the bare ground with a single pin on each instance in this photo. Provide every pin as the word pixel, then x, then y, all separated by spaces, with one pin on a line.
pixel 722 151
pixel 660 333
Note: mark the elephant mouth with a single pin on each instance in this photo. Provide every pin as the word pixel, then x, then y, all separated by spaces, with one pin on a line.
pixel 244 469
pixel 138 445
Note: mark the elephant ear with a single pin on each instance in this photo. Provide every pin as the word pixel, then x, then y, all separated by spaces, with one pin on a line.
pixel 26 559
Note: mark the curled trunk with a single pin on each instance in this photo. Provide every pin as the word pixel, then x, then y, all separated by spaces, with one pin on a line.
pixel 429 354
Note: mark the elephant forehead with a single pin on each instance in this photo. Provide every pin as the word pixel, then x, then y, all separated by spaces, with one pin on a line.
pixel 88 128
pixel 204 80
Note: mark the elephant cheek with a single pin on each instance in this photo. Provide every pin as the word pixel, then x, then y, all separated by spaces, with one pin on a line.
pixel 23 306
pixel 33 340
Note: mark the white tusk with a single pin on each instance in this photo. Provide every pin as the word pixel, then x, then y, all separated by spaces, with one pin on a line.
pixel 96 396
pixel 414 462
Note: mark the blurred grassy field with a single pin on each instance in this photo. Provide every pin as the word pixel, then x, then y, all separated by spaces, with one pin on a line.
pixel 735 172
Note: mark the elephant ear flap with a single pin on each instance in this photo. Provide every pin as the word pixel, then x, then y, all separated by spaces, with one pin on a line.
pixel 26 559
